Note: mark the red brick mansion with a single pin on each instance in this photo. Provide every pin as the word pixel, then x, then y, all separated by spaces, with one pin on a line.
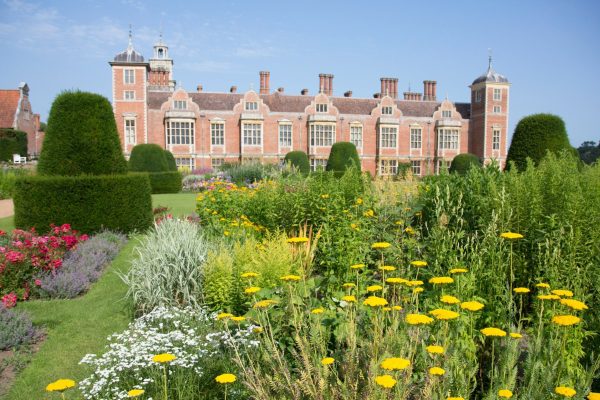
pixel 205 129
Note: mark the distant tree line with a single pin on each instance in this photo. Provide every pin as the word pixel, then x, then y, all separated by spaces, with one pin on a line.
pixel 589 151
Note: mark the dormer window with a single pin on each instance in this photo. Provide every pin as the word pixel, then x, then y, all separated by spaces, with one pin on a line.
pixel 321 108
pixel 180 105
pixel 387 110
pixel 446 113
pixel 251 106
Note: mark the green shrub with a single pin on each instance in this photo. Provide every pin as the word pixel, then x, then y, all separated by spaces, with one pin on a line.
pixel 342 156
pixel 534 136
pixel 298 159
pixel 171 163
pixel 248 173
pixel 7 181
pixel 12 142
pixel 148 158
pixel 89 203
pixel 81 137
pixel 165 182
pixel 463 162
pixel 168 268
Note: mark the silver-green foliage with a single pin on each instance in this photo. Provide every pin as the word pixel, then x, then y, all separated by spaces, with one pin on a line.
pixel 167 270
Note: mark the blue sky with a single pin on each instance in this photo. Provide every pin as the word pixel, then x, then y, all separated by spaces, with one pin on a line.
pixel 549 50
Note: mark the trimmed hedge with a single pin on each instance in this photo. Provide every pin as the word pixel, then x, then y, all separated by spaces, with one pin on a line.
pixel 165 182
pixel 171 163
pixel 298 159
pixel 148 158
pixel 12 142
pixel 89 203
pixel 342 156
pixel 81 137
pixel 462 162
pixel 534 136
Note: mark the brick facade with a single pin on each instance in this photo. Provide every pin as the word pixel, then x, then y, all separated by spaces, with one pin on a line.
pixel 204 129
pixel 16 113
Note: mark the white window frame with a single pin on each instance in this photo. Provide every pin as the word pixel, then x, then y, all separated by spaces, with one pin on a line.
pixel 478 96
pixel 497 110
pixel 387 110
pixel 129 131
pixel 179 131
pixel 356 135
pixel 446 113
pixel 184 162
pixel 415 166
pixel 388 167
pixel 251 106
pixel 388 136
pixel 129 95
pixel 252 133
pixel 322 135
pixel 286 134
pixel 496 135
pixel 317 163
pixel 217 133
pixel 497 94
pixel 129 76
pixel 215 163
pixel 322 107
pixel 416 138
pixel 448 139
pixel 441 163
pixel 180 104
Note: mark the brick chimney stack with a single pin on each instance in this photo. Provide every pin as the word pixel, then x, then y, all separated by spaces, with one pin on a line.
pixel 264 82
pixel 233 89
pixel 384 86
pixel 199 88
pixel 429 89
pixel 326 84
pixel 322 78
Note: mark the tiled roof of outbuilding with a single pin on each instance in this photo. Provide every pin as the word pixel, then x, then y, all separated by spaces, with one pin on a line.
pixel 9 101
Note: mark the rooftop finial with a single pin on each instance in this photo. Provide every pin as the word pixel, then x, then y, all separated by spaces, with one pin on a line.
pixel 489 58
pixel 409 86
pixel 130 46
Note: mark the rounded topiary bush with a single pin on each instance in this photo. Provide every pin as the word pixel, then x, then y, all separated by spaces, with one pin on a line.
pixel 81 137
pixel 171 163
pixel 298 159
pixel 534 136
pixel 343 155
pixel 148 158
pixel 463 162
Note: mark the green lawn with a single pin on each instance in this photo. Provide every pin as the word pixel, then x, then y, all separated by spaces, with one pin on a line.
pixel 181 204
pixel 7 224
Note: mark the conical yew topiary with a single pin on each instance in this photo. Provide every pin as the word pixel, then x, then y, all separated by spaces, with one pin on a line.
pixel 343 155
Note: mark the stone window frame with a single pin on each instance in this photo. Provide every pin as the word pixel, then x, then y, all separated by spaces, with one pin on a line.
pixel 356 129
pixel 286 126
pixel 251 106
pixel 129 76
pixel 416 167
pixel 413 130
pixel 387 133
pixel 387 167
pixel 190 130
pixel 322 134
pixel 448 138
pixel 179 104
pixel 497 94
pixel 130 131
pixel 387 110
pixel 213 126
pixel 322 107
pixel 496 135
pixel 129 95
pixel 249 133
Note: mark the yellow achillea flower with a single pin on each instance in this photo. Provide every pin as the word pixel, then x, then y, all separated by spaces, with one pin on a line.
pixel 449 299
pixel 290 278
pixel 395 364
pixel 593 396
pixel 163 358
pixel 505 393
pixel 238 319
pixel 548 297
pixel 433 349
pixel 264 303
pixel 515 335
pixel 387 308
pixel 357 266
pixel 374 301
pixel 224 315
pixel 317 311
pixel 414 283
pixel 455 398
pixel 396 280
pixel 458 270
pixel 369 213
pixel 135 392
pixel 562 292
pixel 60 385
pixel 418 263
pixel 387 268
pixel 225 379
pixel 325 196
pixel 493 332
pixel 258 329
pixel 472 305
pixel 565 391
pixel 327 361
pixel 349 299
pixel 437 371
pixel 440 280
pixel 409 230
pixel 574 304
pixel 418 319
pixel 359 201
pixel 542 285
pixel 349 285
pixel 252 290
pixel 511 235
pixel 386 381
pixel 442 314
pixel 521 290
pixel 297 240
pixel 565 320
pixel 418 290
pixel 249 275
pixel 380 245
pixel 396 308
pixel 374 288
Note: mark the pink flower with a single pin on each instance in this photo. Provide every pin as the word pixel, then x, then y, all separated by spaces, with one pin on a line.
pixel 9 300
pixel 57 263
pixel 2 233
pixel 15 256
pixel 37 282
pixel 83 238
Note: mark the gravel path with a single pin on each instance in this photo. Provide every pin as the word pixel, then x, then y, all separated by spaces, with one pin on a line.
pixel 6 208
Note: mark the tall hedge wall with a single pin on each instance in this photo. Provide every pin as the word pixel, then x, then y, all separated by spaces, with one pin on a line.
pixel 12 142
pixel 89 203
pixel 165 182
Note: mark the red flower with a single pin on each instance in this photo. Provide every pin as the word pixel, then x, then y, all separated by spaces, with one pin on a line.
pixel 57 263
pixel 37 282
pixel 9 300
pixel 2 233
pixel 15 256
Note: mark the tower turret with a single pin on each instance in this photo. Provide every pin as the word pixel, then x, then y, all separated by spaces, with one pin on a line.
pixel 161 68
